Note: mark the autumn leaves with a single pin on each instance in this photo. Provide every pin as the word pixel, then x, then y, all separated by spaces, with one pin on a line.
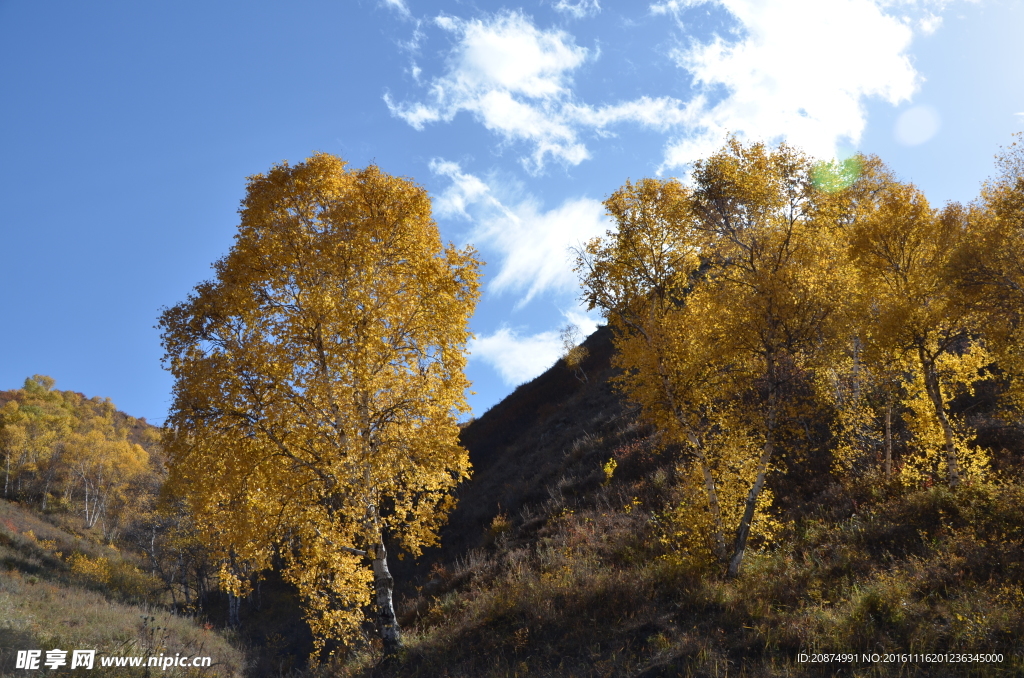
pixel 75 453
pixel 318 380
pixel 319 375
pixel 777 290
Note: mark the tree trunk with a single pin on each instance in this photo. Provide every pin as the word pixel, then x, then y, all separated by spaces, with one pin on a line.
pixel 54 460
pixel 743 532
pixel 234 610
pixel 721 549
pixel 888 439
pixel 383 584
pixel 184 580
pixel 934 389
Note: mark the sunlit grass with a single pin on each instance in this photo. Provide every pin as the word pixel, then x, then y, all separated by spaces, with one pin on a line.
pixel 597 595
pixel 61 591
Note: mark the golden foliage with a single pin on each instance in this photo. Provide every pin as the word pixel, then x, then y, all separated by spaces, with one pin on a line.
pixel 721 295
pixel 773 274
pixel 990 267
pixel 928 462
pixel 318 380
pixel 61 448
pixel 96 569
pixel 573 352
pixel 913 313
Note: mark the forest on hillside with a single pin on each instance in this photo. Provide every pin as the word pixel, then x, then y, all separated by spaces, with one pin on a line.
pixel 779 304
pixel 799 435
pixel 65 452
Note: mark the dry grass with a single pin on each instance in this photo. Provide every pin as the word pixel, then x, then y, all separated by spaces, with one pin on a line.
pixel 61 591
pixel 594 592
pixel 562 561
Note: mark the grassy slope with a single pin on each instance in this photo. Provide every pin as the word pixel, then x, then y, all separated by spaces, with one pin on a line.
pixel 59 590
pixel 549 570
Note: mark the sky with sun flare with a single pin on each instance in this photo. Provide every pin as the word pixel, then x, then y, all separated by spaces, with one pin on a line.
pixel 128 130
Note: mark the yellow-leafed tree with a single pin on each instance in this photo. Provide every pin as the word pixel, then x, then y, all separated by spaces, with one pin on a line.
pixel 776 290
pixel 914 311
pixel 722 296
pixel 103 466
pixel 318 381
pixel 638 276
pixel 991 265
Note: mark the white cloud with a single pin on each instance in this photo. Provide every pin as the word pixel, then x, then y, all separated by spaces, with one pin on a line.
pixel 587 322
pixel 509 75
pixel 531 244
pixel 799 70
pixel 580 8
pixel 672 7
pixel 532 256
pixel 399 6
pixel 917 125
pixel 809 90
pixel 515 79
pixel 929 23
pixel 536 243
pixel 465 190
pixel 510 54
pixel 660 114
pixel 517 358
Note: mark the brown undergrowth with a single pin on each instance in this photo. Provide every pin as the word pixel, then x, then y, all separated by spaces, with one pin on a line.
pixel 596 592
pixel 566 559
pixel 60 590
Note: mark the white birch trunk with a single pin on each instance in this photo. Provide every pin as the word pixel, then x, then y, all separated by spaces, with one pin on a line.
pixel 383 585
pixel 743 532
pixel 934 389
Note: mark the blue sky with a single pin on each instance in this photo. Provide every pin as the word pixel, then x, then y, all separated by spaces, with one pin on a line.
pixel 127 130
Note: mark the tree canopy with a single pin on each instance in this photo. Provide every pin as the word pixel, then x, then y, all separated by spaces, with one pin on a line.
pixel 318 381
pixel 64 451
pixel 775 291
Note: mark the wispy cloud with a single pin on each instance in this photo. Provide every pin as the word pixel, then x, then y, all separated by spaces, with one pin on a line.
pixel 579 9
pixel 530 248
pixel 531 244
pixel 809 90
pixel 929 23
pixel 398 6
pixel 520 357
pixel 671 7
pixel 517 358
pixel 511 77
pixel 802 70
pixel 516 80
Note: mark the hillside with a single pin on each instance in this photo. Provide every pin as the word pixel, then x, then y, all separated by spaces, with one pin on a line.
pixel 60 590
pixel 540 438
pixel 570 553
pixel 568 556
pixel 557 564
pixel 87 561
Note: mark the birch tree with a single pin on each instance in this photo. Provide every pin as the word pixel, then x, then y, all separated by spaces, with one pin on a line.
pixel 779 282
pixel 990 267
pixel 721 295
pixel 915 314
pixel 318 380
pixel 640 276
